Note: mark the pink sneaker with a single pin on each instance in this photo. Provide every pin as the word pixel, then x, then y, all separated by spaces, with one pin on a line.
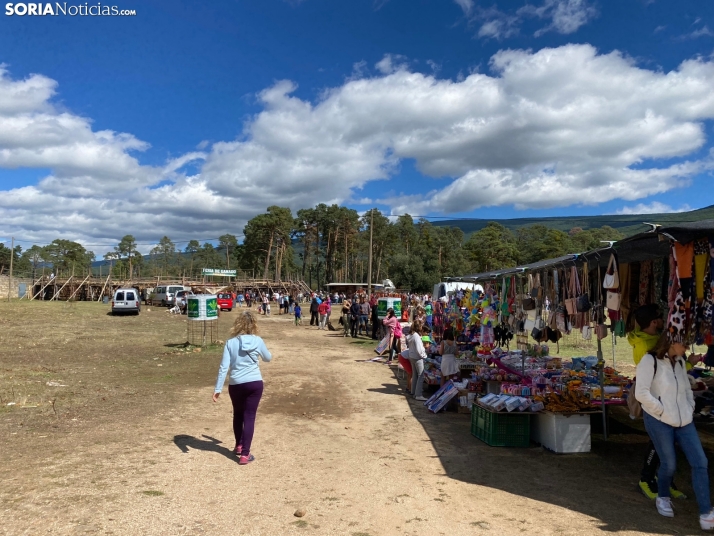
pixel 237 450
pixel 245 460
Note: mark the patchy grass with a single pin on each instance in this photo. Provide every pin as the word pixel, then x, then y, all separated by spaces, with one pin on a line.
pixel 300 523
pixel 153 493
pixel 62 364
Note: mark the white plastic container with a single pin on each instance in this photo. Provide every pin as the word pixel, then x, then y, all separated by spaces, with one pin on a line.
pixel 564 434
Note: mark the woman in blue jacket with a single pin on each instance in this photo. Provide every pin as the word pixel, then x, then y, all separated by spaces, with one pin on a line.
pixel 245 384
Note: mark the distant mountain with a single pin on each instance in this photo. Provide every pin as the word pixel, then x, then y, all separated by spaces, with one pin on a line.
pixel 627 224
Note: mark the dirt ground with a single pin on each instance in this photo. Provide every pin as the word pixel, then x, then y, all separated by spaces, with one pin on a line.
pixel 111 430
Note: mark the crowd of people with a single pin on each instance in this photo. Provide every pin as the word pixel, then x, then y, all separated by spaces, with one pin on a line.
pixel 666 386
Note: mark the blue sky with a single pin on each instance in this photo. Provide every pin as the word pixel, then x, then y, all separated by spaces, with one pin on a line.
pixel 217 110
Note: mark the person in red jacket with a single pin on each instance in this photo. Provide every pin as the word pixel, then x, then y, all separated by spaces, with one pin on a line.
pixel 323 309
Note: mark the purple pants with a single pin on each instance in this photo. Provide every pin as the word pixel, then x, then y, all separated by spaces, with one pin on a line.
pixel 245 398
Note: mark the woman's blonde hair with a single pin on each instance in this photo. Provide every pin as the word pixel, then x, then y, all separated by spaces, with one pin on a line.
pixel 246 324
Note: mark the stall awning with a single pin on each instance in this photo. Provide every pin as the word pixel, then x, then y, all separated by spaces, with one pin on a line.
pixel 653 244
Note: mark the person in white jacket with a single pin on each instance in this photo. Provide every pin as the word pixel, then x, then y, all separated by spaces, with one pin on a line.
pixel 664 391
pixel 417 354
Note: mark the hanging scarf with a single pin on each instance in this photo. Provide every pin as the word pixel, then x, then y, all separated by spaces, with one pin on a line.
pixel 657 283
pixel 645 281
pixel 679 318
pixel 701 259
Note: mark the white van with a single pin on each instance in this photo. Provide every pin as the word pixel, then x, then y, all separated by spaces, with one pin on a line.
pixel 126 300
pixel 166 295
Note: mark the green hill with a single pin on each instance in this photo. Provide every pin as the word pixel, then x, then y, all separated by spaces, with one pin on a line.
pixel 628 225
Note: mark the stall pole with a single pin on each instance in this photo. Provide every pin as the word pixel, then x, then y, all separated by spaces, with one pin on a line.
pixel 12 256
pixel 601 378
pixel 369 268
pixel 614 343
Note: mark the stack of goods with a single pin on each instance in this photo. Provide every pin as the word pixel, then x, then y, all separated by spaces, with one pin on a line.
pixel 568 402
pixel 508 403
pixel 582 384
pixel 557 385
pixel 492 374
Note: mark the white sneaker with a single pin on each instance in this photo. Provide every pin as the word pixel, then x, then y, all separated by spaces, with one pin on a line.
pixel 664 507
pixel 420 399
pixel 707 521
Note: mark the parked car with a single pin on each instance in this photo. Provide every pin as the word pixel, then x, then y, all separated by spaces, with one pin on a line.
pixel 165 295
pixel 225 301
pixel 126 300
pixel 181 299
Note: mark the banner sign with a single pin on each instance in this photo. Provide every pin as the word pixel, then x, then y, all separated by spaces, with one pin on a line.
pixel 202 307
pixel 383 304
pixel 213 271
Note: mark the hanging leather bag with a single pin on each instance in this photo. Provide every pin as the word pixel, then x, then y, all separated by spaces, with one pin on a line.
pixel 612 279
pixel 583 301
pixel 599 312
pixel 571 301
pixel 561 318
pixel 613 301
pixel 601 331
pixel 536 334
pixel 536 288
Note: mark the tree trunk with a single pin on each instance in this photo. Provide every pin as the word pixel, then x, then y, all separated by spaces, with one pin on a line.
pixel 379 264
pixel 329 258
pixel 267 257
pixel 279 253
pixel 306 253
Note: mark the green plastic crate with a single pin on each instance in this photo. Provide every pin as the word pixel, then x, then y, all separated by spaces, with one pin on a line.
pixel 500 429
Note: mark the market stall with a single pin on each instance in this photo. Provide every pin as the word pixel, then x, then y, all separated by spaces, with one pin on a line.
pixel 511 332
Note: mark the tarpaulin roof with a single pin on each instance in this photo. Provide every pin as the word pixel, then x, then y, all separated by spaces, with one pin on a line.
pixel 495 274
pixel 653 244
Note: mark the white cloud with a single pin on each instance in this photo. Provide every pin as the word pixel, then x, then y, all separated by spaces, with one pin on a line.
pixel 389 64
pixel 565 16
pixel 704 31
pixel 557 127
pixel 652 208
pixel 466 5
pixel 498 25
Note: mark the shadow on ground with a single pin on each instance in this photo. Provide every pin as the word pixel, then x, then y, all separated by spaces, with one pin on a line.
pixel 601 484
pixel 209 444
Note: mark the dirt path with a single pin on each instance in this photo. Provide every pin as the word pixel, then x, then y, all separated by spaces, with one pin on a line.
pixel 335 436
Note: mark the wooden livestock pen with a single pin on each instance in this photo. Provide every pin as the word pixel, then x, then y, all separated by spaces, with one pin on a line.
pixel 92 288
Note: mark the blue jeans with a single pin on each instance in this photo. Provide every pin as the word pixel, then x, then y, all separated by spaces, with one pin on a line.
pixel 417 376
pixel 664 437
pixel 363 323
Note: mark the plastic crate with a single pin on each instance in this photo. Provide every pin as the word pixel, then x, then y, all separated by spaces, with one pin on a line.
pixel 500 429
